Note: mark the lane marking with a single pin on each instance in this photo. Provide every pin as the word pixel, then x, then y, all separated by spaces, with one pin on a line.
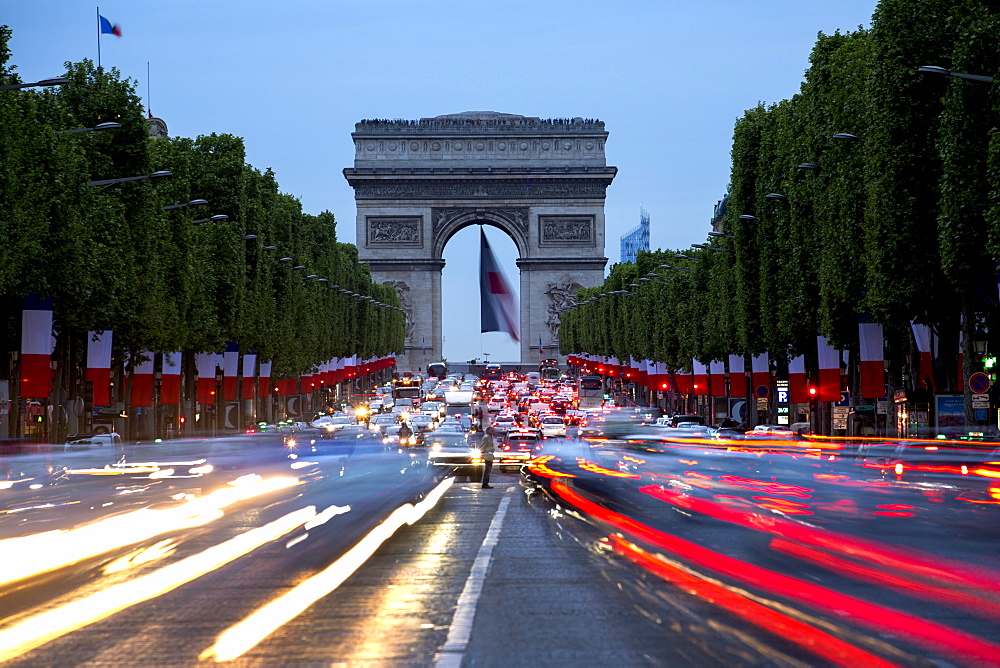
pixel 453 652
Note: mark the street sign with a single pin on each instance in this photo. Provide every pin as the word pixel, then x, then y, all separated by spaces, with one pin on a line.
pixel 979 382
pixel 762 392
pixel 782 396
pixel 980 404
pixel 980 397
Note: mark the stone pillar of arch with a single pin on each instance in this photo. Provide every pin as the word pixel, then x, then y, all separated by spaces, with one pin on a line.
pixel 542 182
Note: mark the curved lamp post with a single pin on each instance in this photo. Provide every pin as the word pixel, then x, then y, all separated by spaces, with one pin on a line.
pixel 99 126
pixel 194 202
pixel 53 81
pixel 934 69
pixel 104 183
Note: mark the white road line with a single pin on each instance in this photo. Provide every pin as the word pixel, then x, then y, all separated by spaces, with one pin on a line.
pixel 453 652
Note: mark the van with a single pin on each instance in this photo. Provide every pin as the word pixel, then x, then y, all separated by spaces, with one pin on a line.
pixel 87 441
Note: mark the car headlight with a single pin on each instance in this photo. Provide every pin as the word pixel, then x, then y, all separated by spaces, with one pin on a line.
pixel 291 442
pixel 436 447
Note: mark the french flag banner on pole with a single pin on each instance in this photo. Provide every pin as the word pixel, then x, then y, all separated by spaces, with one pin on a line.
pixel 761 371
pixel 737 376
pixel 249 374
pixel 717 370
pixel 205 363
pixel 99 365
pixel 230 364
pixel 498 306
pixel 922 334
pixel 37 345
pixel 872 359
pixel 700 378
pixel 170 380
pixel 142 383
pixel 264 388
pixel 829 370
pixel 798 393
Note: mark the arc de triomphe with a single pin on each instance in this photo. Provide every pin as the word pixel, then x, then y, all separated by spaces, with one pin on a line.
pixel 542 182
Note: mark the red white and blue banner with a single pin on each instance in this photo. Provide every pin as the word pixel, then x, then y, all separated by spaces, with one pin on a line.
pixel 798 392
pixel 922 334
pixel 700 378
pixel 872 359
pixel 498 305
pixel 264 387
pixel 206 364
pixel 737 376
pixel 829 370
pixel 99 365
pixel 249 374
pixel 717 378
pixel 37 345
pixel 230 367
pixel 141 395
pixel 761 371
pixel 170 379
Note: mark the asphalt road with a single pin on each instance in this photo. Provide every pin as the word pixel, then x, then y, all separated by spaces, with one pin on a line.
pixel 340 552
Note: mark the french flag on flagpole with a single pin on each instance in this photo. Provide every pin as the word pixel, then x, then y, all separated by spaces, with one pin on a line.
pixel 37 344
pixel 541 348
pixel 109 28
pixel 498 306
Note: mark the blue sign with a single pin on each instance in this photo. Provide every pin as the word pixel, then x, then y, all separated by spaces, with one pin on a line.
pixel 979 383
pixel 762 392
pixel 782 396
pixel 980 414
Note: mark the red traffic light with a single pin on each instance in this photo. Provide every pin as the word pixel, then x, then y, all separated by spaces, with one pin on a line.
pixel 813 391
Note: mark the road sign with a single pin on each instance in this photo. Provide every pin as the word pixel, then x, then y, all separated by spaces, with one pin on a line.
pixel 782 396
pixel 979 382
pixel 980 397
pixel 762 392
pixel 980 404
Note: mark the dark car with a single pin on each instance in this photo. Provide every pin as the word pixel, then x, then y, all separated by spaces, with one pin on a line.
pixel 517 447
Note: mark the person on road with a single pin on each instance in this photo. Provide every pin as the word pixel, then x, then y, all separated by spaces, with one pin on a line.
pixel 487 449
pixel 404 433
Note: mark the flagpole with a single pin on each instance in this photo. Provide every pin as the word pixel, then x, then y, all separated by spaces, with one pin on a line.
pixel 98 38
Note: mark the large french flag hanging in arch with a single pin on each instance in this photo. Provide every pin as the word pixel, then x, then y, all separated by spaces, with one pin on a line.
pixel 498 305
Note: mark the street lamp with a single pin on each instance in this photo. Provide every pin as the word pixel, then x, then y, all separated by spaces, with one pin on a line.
pixel 99 126
pixel 270 248
pixel 682 256
pixel 711 248
pixel 934 69
pixel 848 137
pixel 247 237
pixel 775 196
pixel 748 217
pixel 104 183
pixel 194 202
pixel 812 166
pixel 285 259
pixel 720 235
pixel 53 81
pixel 215 218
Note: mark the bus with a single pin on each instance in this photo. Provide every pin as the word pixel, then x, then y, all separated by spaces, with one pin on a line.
pixel 437 369
pixel 590 393
pixel 493 372
pixel 549 369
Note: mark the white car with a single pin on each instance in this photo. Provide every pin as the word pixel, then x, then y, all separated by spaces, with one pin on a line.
pixel 552 425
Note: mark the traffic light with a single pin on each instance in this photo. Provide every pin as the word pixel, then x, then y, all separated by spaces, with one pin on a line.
pixel 813 392
pixel 88 397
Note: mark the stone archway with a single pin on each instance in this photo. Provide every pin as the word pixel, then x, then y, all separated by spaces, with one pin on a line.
pixel 542 182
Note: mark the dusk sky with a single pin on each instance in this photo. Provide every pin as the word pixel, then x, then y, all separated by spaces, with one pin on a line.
pixel 669 79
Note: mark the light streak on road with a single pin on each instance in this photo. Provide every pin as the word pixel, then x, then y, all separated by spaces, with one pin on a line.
pixel 245 635
pixel 27 556
pixel 42 628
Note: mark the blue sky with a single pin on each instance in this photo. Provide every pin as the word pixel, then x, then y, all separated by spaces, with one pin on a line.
pixel 292 78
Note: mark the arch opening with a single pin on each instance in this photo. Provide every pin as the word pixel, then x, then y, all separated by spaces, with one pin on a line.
pixel 460 295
